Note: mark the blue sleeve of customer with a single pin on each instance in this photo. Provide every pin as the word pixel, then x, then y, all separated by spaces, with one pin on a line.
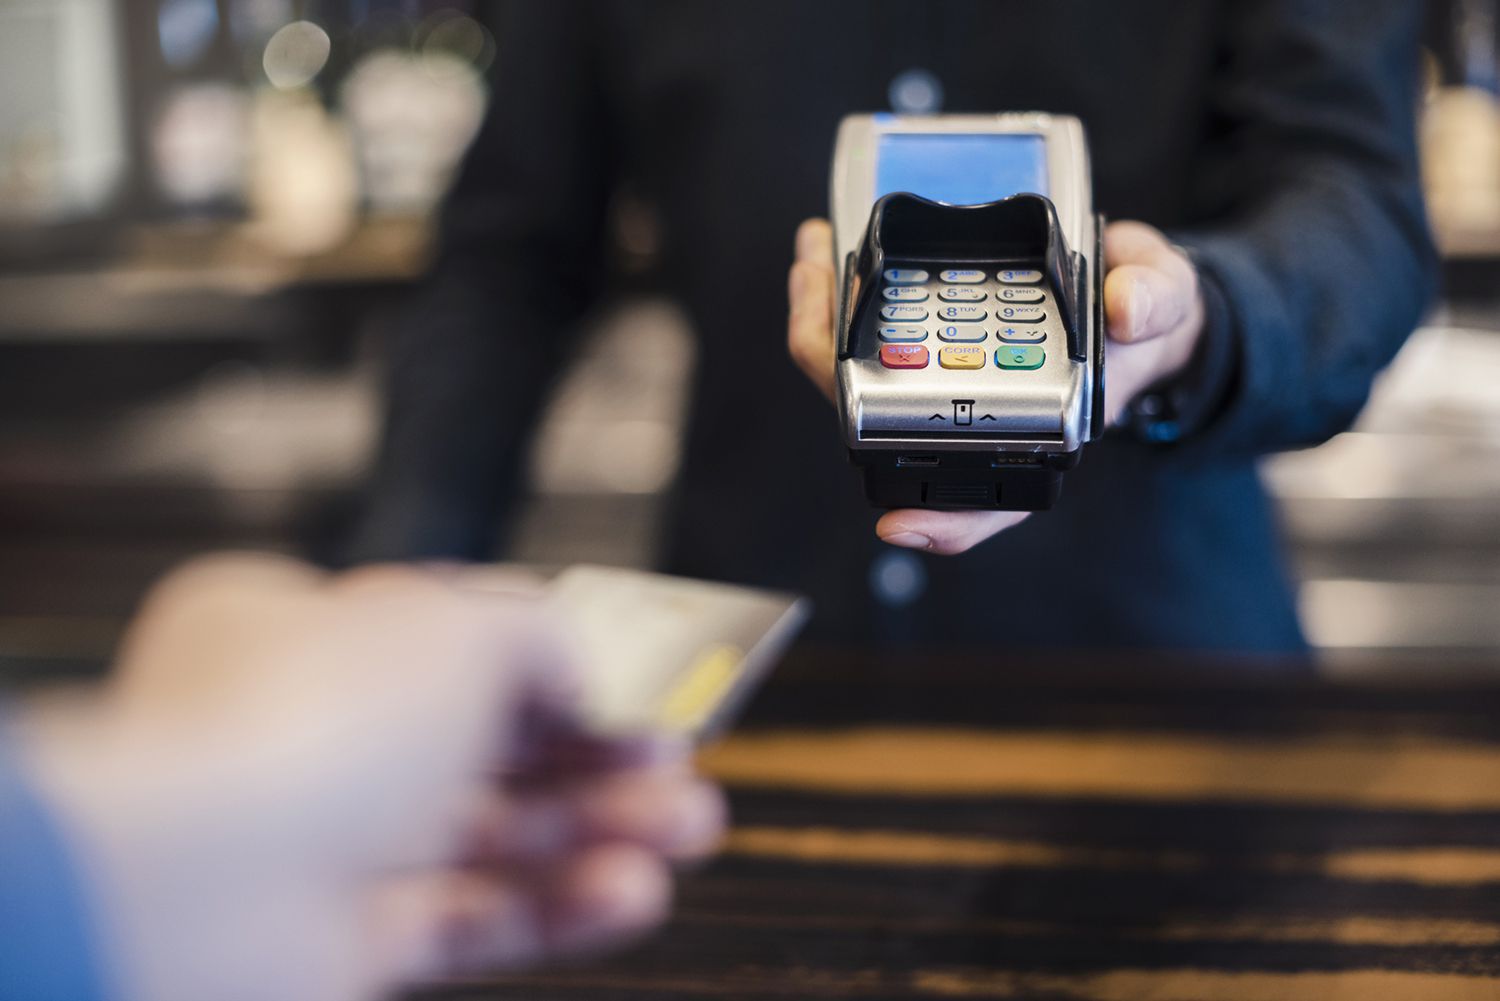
pixel 46 947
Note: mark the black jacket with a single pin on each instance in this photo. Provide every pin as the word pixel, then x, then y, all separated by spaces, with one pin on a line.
pixel 1274 139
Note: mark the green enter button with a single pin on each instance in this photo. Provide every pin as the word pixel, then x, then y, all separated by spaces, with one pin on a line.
pixel 1020 356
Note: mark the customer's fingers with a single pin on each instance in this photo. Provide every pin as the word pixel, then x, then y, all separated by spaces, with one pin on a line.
pixel 564 750
pixel 1151 288
pixel 810 290
pixel 470 921
pixel 606 894
pixel 423 927
pixel 946 533
pixel 667 811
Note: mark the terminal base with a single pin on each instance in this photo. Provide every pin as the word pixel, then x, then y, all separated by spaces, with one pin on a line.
pixel 963 481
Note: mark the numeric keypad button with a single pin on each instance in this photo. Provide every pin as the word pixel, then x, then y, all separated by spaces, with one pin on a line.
pixel 1020 314
pixel 902 335
pixel 962 314
pixel 1021 335
pixel 903 314
pixel 962 333
pixel 904 293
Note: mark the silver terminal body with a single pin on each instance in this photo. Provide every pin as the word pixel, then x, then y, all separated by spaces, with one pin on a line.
pixel 1045 409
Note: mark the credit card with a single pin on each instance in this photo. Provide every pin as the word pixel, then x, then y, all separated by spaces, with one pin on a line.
pixel 670 654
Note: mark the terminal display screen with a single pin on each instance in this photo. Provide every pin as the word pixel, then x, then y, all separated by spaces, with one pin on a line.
pixel 961 169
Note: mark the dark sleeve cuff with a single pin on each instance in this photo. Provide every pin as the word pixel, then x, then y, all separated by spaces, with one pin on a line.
pixel 1180 406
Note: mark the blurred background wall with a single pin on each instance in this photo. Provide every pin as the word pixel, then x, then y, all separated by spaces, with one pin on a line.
pixel 210 208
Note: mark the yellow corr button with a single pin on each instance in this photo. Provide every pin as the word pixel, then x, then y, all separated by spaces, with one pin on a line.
pixel 961 356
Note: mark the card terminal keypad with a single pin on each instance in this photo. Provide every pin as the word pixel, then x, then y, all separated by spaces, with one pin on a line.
pixel 984 319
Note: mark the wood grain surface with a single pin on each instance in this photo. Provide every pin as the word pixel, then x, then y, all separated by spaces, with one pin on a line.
pixel 949 828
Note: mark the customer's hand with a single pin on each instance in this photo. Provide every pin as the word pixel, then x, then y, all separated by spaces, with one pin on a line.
pixel 311 787
pixel 1153 310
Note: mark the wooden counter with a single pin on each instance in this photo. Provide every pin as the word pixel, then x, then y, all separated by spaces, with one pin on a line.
pixel 941 828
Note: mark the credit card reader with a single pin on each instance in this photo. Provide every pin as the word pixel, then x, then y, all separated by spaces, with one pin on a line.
pixel 970 331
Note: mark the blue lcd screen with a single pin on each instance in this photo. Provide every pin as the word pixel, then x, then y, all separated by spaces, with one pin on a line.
pixel 961 169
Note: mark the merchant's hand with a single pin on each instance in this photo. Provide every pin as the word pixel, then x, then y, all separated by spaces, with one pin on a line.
pixel 1154 313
